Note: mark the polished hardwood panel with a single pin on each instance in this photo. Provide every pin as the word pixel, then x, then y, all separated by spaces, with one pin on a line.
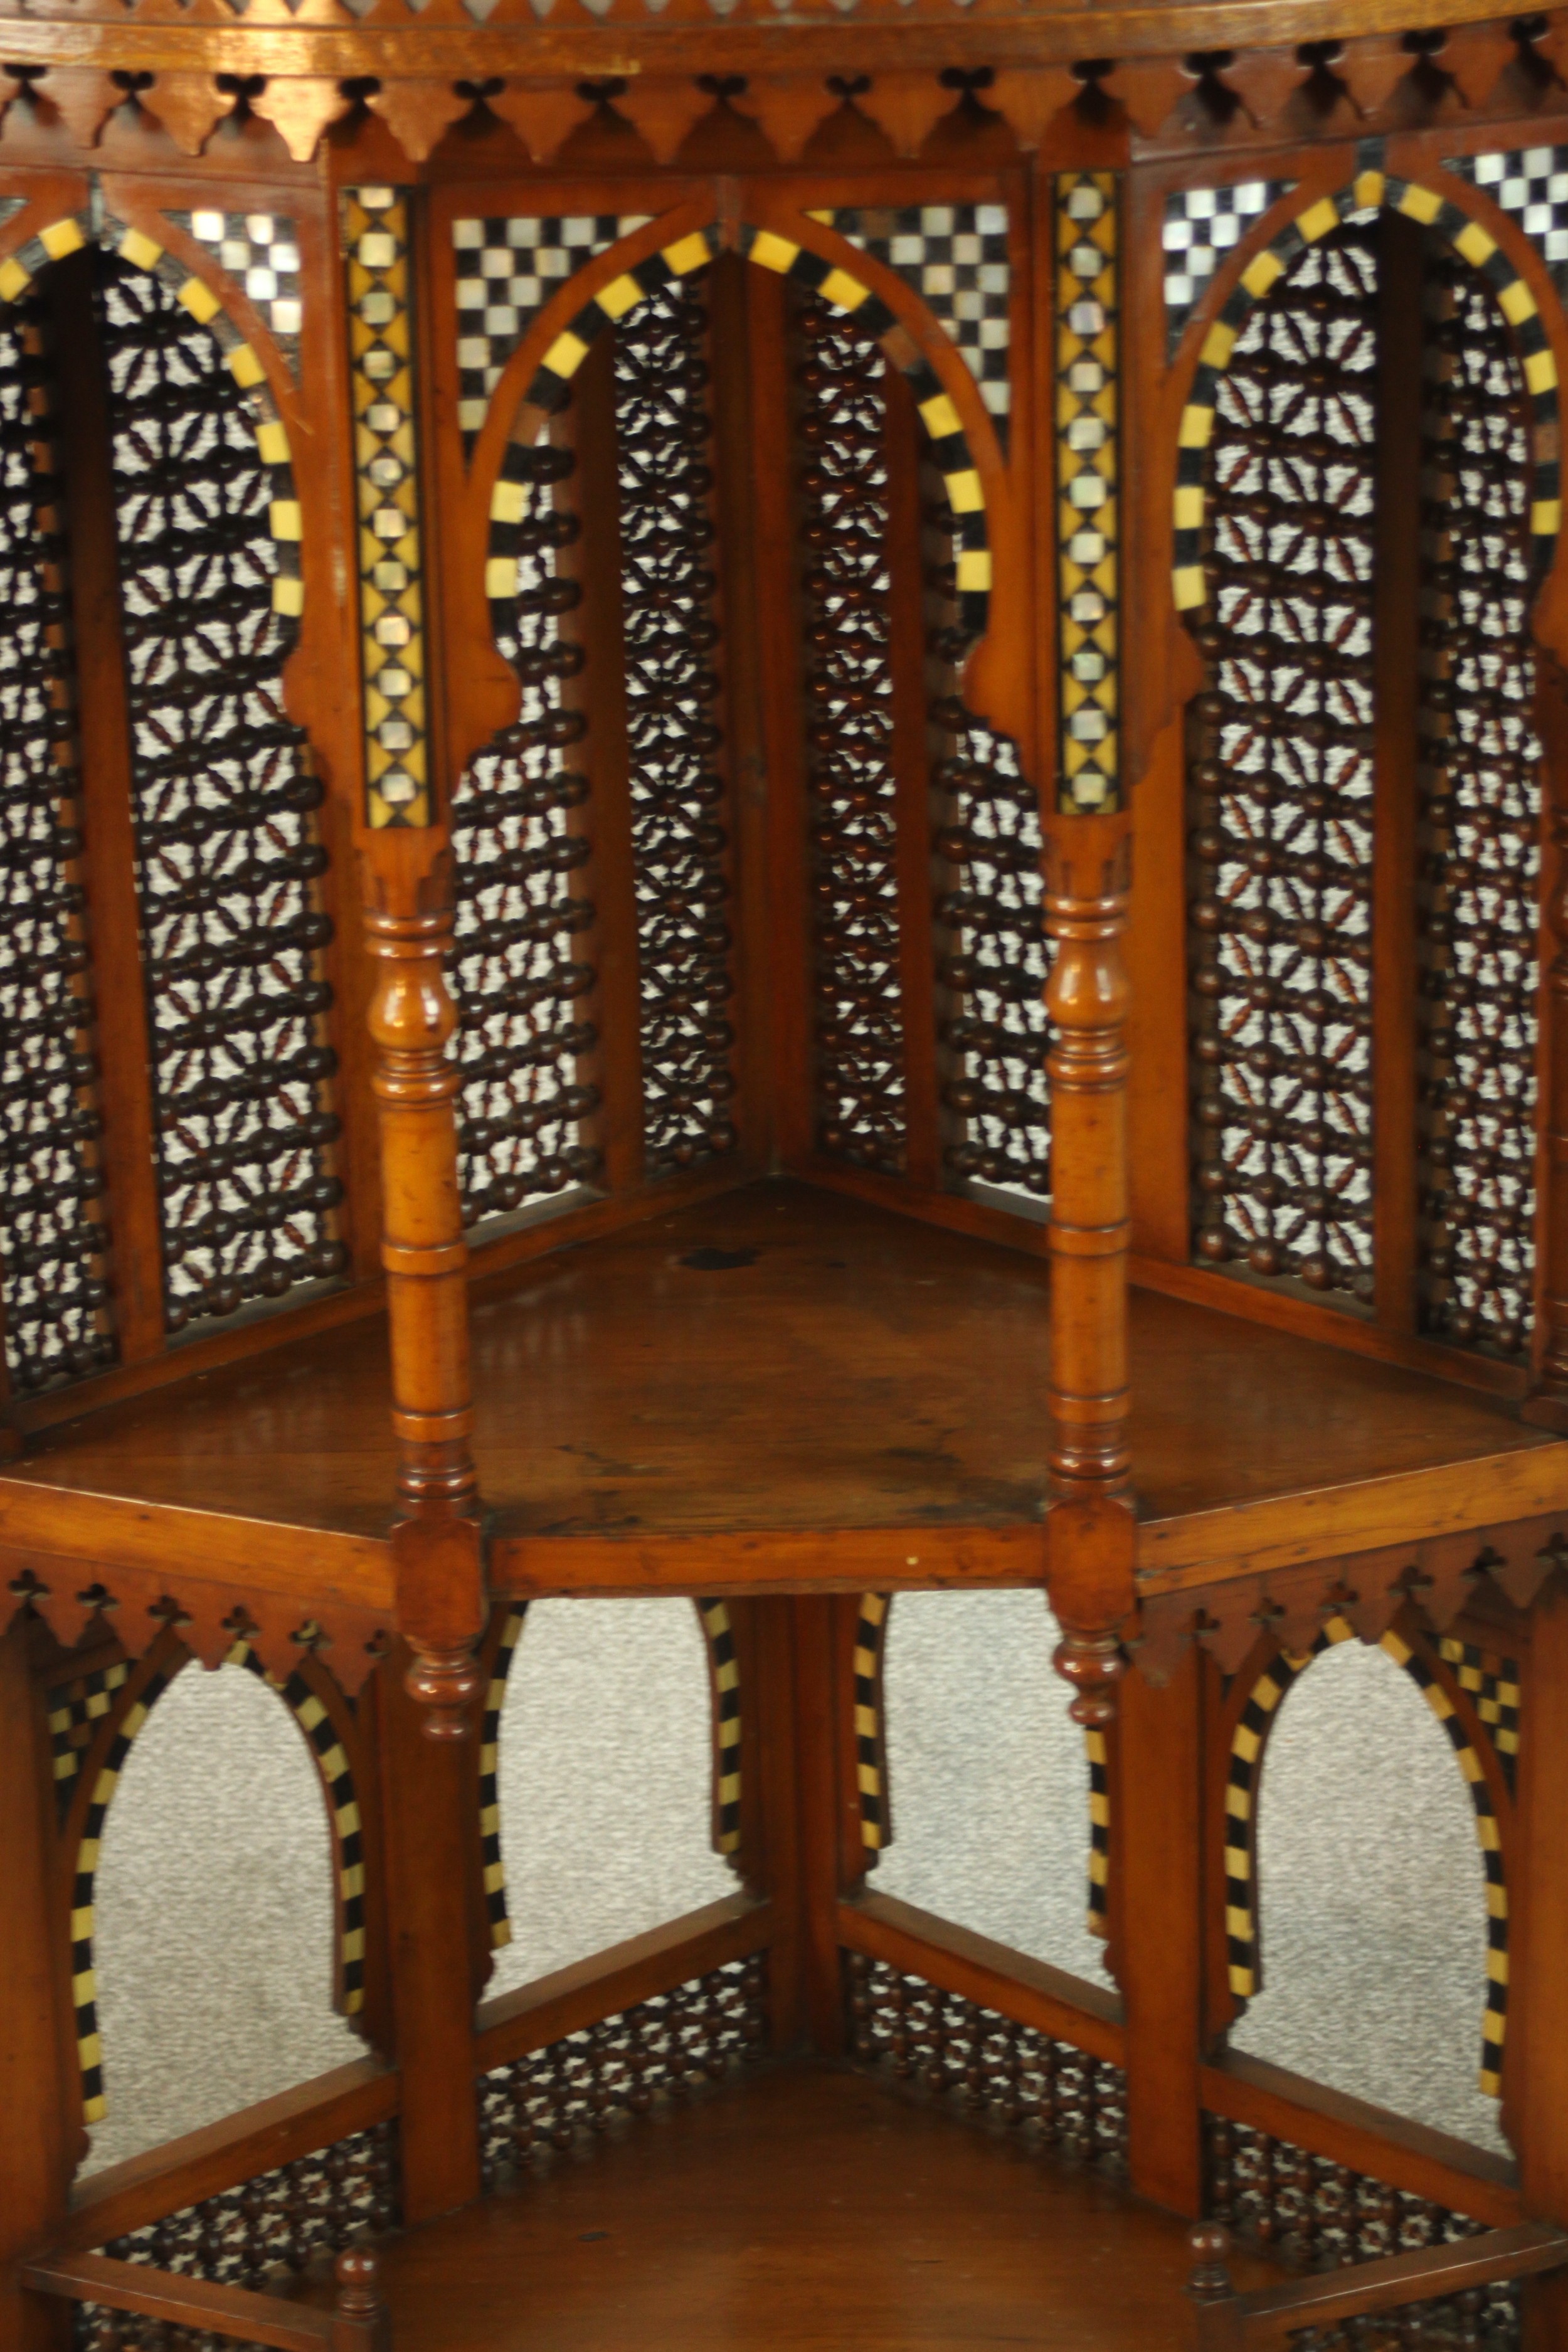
pixel 757 1366
pixel 807 2206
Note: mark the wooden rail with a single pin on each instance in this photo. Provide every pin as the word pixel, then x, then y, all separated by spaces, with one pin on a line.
pixel 1229 2322
pixel 356 2321
pixel 993 1976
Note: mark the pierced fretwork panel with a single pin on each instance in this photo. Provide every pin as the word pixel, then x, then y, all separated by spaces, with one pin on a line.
pixel 520 981
pixel 1312 2214
pixel 1479 828
pixel 56 1316
pixel 1001 2071
pixel 1282 790
pixel 993 963
pixel 661 2052
pixel 849 722
pixel 227 859
pixel 679 816
pixel 277 2220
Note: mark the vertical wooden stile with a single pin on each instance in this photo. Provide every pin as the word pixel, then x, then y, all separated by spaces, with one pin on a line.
pixel 599 692
pixel 1397 586
pixel 108 861
pixel 911 773
pixel 819 1702
pixel 36 2158
pixel 1156 1834
pixel 429 1795
pixel 1538 1900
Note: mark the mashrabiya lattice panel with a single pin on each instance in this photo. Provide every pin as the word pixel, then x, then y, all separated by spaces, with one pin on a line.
pixel 664 2049
pixel 52 1234
pixel 386 469
pixel 669 614
pixel 223 802
pixel 260 251
pixel 1000 2071
pixel 1314 2214
pixel 1281 797
pixel 509 267
pixel 850 726
pixel 1201 227
pixel 524 1038
pixel 275 2222
pixel 1479 829
pixel 1088 525
pixel 993 962
pixel 954 256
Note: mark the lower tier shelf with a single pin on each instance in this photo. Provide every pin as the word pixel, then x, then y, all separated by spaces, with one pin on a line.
pixel 802 2207
pixel 778 1387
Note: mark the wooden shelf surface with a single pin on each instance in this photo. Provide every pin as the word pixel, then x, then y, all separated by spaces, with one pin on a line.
pixel 785 1385
pixel 803 2206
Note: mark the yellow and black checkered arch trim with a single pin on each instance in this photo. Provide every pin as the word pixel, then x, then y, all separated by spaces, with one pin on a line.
pixel 1373 188
pixel 1494 2022
pixel 489 1784
pixel 551 389
pixel 1099 1831
pixel 338 1779
pixel 725 1670
pixel 1491 1684
pixel 948 441
pixel 195 297
pixel 84 1980
pixel 870 1633
pixel 75 1710
pixel 1247 1746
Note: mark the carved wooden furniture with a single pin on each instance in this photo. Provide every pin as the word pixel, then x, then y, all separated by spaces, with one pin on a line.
pixel 781 805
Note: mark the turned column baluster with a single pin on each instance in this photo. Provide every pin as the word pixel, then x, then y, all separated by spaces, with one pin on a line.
pixel 436 1542
pixel 1089 1523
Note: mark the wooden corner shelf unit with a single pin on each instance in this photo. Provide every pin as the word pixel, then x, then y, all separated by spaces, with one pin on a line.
pixel 781 804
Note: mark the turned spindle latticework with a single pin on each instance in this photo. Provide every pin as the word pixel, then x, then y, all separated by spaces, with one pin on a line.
pixel 680 823
pixel 1479 843
pixel 1283 790
pixel 57 1311
pixel 223 803
pixel 1354 905
pixel 519 973
pixel 849 688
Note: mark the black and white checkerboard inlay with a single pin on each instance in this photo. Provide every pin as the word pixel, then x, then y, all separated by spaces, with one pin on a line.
pixel 1531 184
pixel 954 256
pixel 1202 226
pixel 260 251
pixel 506 271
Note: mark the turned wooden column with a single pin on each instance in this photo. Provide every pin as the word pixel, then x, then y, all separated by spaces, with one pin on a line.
pixel 1090 1522
pixel 38 2143
pixel 440 1583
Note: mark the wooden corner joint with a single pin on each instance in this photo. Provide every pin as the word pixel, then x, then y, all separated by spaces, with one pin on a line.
pixel 441 1613
pixel 1090 1544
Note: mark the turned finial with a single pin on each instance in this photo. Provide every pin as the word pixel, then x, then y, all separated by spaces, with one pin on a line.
pixel 446 1682
pixel 1093 1665
pixel 360 2320
pixel 1209 2279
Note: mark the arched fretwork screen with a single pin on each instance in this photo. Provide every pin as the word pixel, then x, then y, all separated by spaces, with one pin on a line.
pixel 604 1781
pixel 1372 1899
pixel 1365 795
pixel 986 1813
pixel 214 1912
pixel 611 805
pixel 152 530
